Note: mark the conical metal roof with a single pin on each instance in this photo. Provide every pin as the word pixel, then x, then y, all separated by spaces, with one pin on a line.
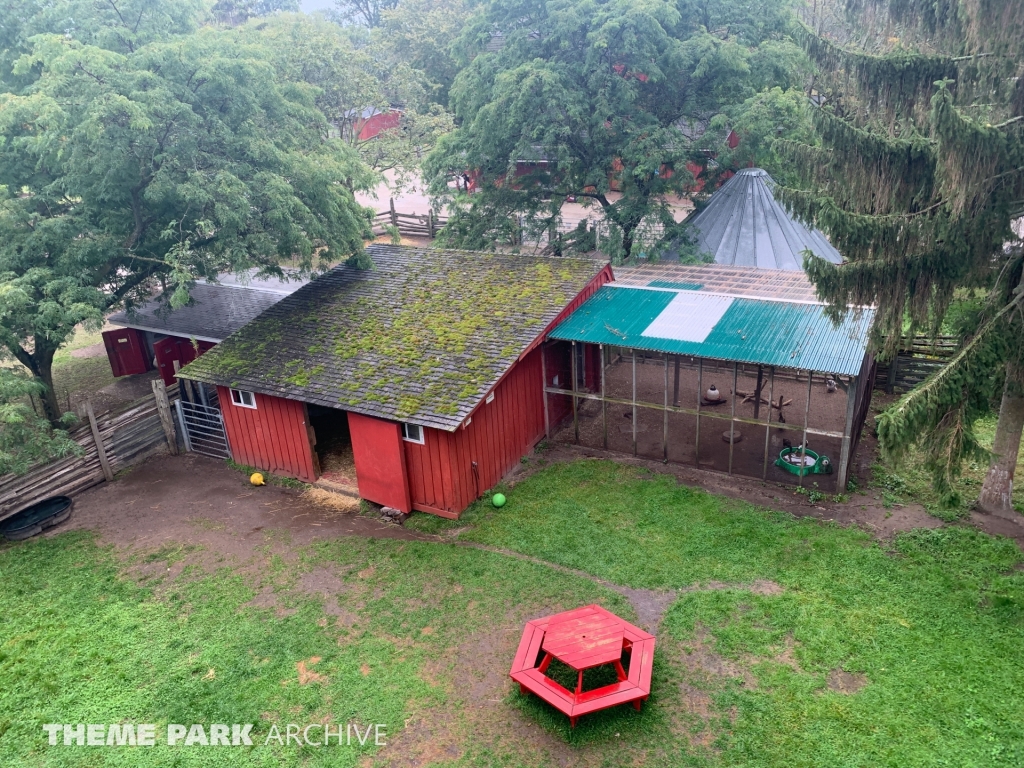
pixel 745 226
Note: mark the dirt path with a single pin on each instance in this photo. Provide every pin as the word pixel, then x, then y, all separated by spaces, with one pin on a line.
pixel 193 500
pixel 649 604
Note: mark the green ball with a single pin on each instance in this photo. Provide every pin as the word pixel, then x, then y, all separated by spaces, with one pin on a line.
pixel 498 500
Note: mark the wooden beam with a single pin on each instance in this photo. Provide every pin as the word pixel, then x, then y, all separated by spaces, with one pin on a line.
pixel 844 451
pixel 604 402
pixel 575 403
pixel 700 399
pixel 544 389
pixel 675 386
pixel 732 420
pixel 100 451
pixel 768 423
pixel 757 392
pixel 634 402
pixel 664 436
pixel 163 409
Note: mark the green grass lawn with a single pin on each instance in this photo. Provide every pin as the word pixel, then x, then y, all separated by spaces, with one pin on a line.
pixel 931 627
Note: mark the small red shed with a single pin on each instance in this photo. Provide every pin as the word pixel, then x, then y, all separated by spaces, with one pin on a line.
pixel 127 351
pixel 370 122
pixel 421 378
pixel 157 335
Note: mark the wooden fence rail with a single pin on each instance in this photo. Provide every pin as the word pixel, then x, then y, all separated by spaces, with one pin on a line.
pixel 126 438
pixel 917 359
pixel 409 224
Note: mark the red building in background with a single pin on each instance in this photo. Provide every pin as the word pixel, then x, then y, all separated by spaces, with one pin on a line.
pixel 155 335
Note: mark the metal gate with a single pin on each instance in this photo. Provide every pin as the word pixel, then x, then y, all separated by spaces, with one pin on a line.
pixel 203 429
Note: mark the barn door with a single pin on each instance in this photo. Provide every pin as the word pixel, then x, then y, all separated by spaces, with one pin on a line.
pixel 380 461
pixel 126 351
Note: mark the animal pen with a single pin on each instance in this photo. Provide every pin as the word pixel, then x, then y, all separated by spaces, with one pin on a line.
pixel 748 415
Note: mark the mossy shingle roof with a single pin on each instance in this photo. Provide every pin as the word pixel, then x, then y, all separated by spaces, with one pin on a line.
pixel 215 313
pixel 422 337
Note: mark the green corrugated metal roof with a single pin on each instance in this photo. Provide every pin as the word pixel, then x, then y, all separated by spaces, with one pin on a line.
pixel 784 334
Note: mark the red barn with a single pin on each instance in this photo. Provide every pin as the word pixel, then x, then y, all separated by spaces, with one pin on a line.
pixel 157 335
pixel 372 122
pixel 418 382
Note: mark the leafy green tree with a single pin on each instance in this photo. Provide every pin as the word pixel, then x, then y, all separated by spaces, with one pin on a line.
pixel 424 34
pixel 592 88
pixel 239 11
pixel 918 179
pixel 368 13
pixel 760 122
pixel 26 439
pixel 180 158
pixel 352 81
pixel 116 25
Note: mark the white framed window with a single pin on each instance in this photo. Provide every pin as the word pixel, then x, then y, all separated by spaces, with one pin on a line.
pixel 413 433
pixel 243 398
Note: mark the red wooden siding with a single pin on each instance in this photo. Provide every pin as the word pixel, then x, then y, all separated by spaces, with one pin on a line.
pixel 371 127
pixel 271 437
pixel 442 475
pixel 126 351
pixel 380 461
pixel 176 349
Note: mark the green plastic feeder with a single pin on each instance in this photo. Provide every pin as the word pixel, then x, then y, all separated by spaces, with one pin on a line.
pixel 813 463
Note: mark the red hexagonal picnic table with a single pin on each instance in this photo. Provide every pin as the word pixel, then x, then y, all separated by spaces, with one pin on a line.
pixel 584 638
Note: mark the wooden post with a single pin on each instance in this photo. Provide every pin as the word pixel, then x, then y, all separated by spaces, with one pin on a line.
pixel 544 391
pixel 634 402
pixel 664 437
pixel 575 405
pixel 890 376
pixel 844 452
pixel 394 214
pixel 100 451
pixel 675 387
pixel 604 403
pixel 757 391
pixel 768 423
pixel 732 421
pixel 700 398
pixel 803 440
pixel 430 223
pixel 163 408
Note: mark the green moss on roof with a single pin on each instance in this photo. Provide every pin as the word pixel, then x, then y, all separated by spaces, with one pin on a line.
pixel 421 337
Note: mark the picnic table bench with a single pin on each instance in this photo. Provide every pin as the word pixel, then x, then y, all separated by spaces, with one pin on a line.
pixel 582 639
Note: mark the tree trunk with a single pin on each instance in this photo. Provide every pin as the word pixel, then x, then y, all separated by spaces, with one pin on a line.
pixel 627 241
pixel 996 497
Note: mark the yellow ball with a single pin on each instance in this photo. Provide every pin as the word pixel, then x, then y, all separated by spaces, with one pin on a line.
pixel 256 479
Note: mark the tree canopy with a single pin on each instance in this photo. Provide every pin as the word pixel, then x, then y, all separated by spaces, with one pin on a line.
pixel 587 95
pixel 353 82
pixel 129 162
pixel 918 179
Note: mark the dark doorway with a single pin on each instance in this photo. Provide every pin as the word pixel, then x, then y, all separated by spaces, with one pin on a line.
pixel 333 445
